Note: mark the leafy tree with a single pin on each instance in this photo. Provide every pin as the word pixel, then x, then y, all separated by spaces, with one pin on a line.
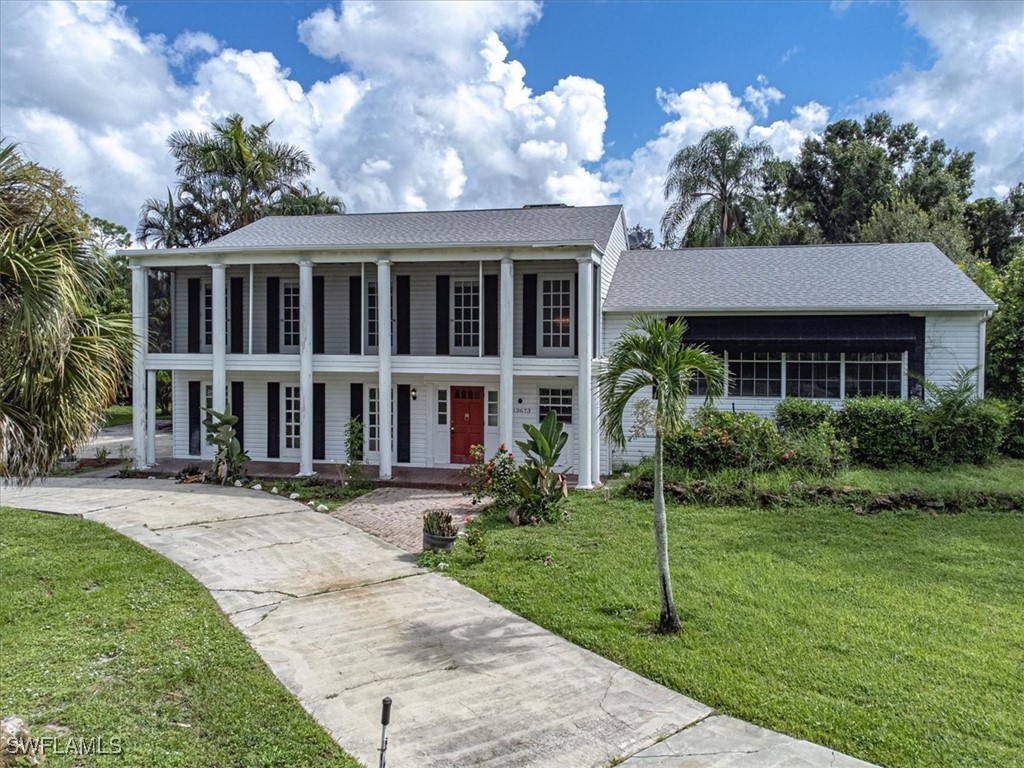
pixel 841 176
pixel 650 353
pixel 60 359
pixel 1004 367
pixel 996 226
pixel 714 188
pixel 904 221
pixel 229 177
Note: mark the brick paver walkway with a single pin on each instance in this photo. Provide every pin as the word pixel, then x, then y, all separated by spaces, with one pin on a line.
pixel 396 514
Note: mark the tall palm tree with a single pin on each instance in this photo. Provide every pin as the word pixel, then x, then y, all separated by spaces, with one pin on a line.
pixel 60 360
pixel 250 169
pixel 651 354
pixel 713 187
pixel 229 177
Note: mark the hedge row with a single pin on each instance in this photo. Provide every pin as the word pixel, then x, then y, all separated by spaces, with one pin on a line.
pixel 879 432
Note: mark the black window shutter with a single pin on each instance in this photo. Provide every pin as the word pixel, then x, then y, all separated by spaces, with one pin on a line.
pixel 273 315
pixel 318 315
pixel 441 344
pixel 403 419
pixel 237 323
pixel 402 315
pixel 576 314
pixel 356 407
pixel 195 312
pixel 238 409
pixel 195 421
pixel 529 315
pixel 355 315
pixel 319 421
pixel 490 314
pixel 273 419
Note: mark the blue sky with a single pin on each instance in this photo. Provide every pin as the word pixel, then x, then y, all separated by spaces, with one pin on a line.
pixel 490 104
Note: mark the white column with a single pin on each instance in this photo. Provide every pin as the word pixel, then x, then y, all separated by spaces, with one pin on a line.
pixel 597 351
pixel 384 362
pixel 140 327
pixel 306 367
pixel 150 417
pixel 220 337
pixel 506 348
pixel 584 423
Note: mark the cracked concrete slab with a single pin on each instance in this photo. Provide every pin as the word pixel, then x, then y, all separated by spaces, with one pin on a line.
pixel 510 692
pixel 344 619
pixel 725 742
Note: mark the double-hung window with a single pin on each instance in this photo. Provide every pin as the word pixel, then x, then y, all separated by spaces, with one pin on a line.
pixel 556 311
pixel 874 373
pixel 465 317
pixel 290 310
pixel 372 420
pixel 558 400
pixel 813 374
pixel 292 419
pixel 372 317
pixel 755 374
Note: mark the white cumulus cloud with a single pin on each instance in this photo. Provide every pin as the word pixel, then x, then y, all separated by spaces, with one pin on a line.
pixel 973 94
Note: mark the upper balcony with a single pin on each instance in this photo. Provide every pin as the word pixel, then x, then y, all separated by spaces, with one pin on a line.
pixel 443 315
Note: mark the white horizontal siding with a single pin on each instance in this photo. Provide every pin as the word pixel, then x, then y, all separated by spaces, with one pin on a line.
pixel 951 343
pixel 617 243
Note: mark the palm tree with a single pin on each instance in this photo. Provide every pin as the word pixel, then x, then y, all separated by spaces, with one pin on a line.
pixel 243 163
pixel 229 178
pixel 714 188
pixel 60 360
pixel 650 354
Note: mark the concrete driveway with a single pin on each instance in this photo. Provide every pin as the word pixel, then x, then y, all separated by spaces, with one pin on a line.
pixel 344 619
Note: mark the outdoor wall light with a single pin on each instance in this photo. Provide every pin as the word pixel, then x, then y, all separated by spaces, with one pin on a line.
pixel 412 393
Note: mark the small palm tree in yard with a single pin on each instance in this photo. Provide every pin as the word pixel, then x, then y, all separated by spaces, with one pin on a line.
pixel 651 354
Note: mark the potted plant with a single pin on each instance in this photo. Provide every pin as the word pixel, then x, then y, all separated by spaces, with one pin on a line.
pixel 438 531
pixel 69 461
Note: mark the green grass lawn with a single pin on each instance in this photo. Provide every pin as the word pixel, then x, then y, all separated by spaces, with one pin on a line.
pixel 897 637
pixel 118 416
pixel 104 639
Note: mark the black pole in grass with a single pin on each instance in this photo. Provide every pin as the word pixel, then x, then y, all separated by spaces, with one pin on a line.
pixel 385 719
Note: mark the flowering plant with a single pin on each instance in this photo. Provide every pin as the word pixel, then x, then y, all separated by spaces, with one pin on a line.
pixel 493 478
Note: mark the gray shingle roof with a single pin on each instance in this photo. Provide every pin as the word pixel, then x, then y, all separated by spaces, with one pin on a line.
pixel 498 227
pixel 891 276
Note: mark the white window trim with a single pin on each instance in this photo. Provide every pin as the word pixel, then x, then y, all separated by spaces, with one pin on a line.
pixel 570 350
pixel 472 351
pixel 288 348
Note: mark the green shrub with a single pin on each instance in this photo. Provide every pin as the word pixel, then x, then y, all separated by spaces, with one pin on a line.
pixel 817 450
pixel 797 414
pixel 1013 437
pixel 882 431
pixel 973 436
pixel 721 439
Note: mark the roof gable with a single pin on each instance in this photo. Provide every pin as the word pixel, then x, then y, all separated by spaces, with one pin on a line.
pixel 859 277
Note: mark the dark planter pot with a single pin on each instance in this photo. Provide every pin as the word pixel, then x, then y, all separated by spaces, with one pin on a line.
pixel 433 543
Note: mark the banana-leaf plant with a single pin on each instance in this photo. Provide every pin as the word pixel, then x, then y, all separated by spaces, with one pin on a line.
pixel 541 489
pixel 229 460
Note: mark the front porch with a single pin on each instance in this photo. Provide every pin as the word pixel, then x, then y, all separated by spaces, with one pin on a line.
pixel 402 477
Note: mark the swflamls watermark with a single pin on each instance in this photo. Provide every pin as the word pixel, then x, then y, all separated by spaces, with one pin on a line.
pixel 61 745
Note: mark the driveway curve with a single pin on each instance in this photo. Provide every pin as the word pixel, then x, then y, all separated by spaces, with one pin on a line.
pixel 344 619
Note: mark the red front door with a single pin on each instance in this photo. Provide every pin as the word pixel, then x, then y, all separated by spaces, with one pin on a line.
pixel 467 422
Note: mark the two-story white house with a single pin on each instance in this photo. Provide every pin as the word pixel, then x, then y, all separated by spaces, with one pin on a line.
pixel 437 330
pixel 446 329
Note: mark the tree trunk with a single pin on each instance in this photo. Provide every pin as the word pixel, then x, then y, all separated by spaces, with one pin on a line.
pixel 725 226
pixel 668 622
